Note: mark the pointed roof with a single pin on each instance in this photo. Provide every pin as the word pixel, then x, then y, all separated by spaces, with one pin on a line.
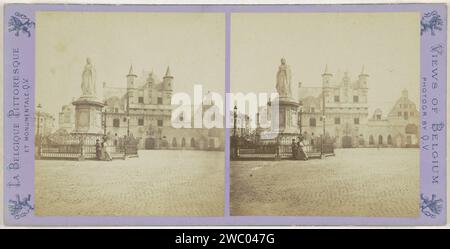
pixel 130 72
pixel 363 71
pixel 168 74
pixel 325 72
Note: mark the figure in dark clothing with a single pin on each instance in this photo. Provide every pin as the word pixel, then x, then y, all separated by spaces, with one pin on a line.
pixel 98 150
pixel 294 149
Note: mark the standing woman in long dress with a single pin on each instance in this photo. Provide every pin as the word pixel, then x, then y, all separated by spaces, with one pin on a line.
pixel 301 150
pixel 107 151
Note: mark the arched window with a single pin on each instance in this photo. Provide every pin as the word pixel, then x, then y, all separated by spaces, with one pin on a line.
pixel 380 139
pixel 389 140
pixel 183 142
pixel 312 122
pixel 192 142
pixel 174 142
pixel 116 122
pixel 371 140
pixel 212 143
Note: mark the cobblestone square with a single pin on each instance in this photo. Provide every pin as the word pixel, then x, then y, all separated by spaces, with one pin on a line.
pixel 356 182
pixel 158 183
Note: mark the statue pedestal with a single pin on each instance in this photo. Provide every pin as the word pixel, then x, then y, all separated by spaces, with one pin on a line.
pixel 288 115
pixel 288 125
pixel 88 116
pixel 88 124
pixel 287 128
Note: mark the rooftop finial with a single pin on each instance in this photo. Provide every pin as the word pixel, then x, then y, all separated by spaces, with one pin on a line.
pixel 131 70
pixel 168 74
pixel 325 72
pixel 363 71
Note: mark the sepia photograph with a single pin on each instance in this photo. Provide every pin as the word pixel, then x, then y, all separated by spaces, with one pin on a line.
pixel 346 105
pixel 106 140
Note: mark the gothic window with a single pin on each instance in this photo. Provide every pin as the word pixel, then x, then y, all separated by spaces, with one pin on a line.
pixel 160 100
pixel 371 141
pixel 336 99
pixel 212 143
pixel 408 140
pixel 313 109
pixel 116 122
pixel 356 121
pixel 380 139
pixel 124 119
pixel 141 100
pixel 378 116
pixel 312 122
pixel 174 142
pixel 160 123
pixel 192 142
pixel 141 122
pixel 183 142
pixel 405 115
pixel 355 99
pixel 389 140
pixel 337 120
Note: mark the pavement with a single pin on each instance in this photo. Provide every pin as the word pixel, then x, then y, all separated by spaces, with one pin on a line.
pixel 158 183
pixel 355 182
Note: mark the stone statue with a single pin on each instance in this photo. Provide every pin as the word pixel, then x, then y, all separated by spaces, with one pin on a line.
pixel 88 79
pixel 284 80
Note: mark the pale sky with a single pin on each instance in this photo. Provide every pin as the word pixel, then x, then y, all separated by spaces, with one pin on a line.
pixel 387 44
pixel 192 44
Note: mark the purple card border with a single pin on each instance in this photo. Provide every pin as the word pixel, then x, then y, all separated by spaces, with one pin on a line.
pixel 19 98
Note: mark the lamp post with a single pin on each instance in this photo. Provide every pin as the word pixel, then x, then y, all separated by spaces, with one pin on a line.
pixel 234 139
pixel 234 121
pixel 322 154
pixel 299 119
pixel 128 112
pixel 38 135
pixel 104 119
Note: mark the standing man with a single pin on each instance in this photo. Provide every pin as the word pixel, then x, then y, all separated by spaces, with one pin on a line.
pixel 98 149
pixel 294 149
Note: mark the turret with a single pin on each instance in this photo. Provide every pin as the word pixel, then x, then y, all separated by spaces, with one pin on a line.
pixel 167 80
pixel 362 78
pixel 150 79
pixel 130 78
pixel 346 79
pixel 130 86
pixel 405 93
pixel 326 77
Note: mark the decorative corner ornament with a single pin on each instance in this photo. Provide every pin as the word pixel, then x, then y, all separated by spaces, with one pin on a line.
pixel 431 208
pixel 20 23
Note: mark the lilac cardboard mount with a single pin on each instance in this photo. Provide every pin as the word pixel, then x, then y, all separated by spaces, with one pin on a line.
pixel 50 152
